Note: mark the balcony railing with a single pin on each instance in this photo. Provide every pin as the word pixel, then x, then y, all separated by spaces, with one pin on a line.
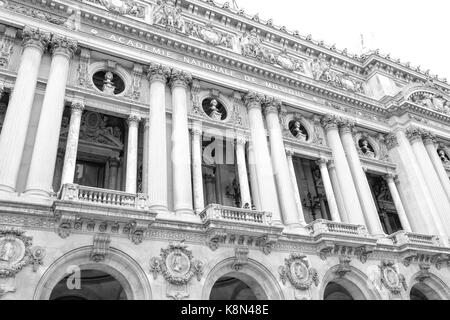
pixel 219 212
pixel 326 226
pixel 402 237
pixel 103 197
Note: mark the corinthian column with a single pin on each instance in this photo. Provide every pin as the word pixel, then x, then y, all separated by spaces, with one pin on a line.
pixel 242 172
pixel 337 192
pixel 155 149
pixel 132 154
pixel 390 180
pixel 197 176
pixel 332 205
pixel 280 165
pixel 350 196
pixel 15 125
pixel 298 201
pixel 70 157
pixel 430 145
pixel 360 179
pixel 438 196
pixel 181 164
pixel 253 177
pixel 43 160
pixel 263 165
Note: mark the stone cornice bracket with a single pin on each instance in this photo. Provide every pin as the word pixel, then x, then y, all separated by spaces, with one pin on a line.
pixel 241 257
pixel 68 222
pixel 180 78
pixel 215 238
pixel 136 231
pixel 330 121
pixel 267 242
pixel 363 253
pixel 100 247
pixel 158 72
pixel 391 141
pixel 271 104
pixel 414 133
pixel 253 100
pixel 36 38
pixel 63 45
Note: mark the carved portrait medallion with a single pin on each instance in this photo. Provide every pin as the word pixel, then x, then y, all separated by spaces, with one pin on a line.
pixel 178 263
pixel 15 252
pixel 296 269
pixel 390 277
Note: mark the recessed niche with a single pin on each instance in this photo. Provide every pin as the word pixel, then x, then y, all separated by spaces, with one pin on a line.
pixel 366 148
pixel 108 82
pixel 214 109
pixel 298 130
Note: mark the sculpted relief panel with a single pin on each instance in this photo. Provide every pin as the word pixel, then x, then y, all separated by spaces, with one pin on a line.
pixel 431 100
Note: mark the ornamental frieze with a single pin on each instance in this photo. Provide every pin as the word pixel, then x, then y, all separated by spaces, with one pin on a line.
pixel 296 269
pixel 209 35
pixel 177 264
pixel 122 7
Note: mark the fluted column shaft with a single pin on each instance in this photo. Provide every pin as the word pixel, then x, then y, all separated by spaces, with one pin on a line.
pixel 70 157
pixel 42 166
pixel 418 201
pixel 280 166
pixel 132 154
pixel 390 180
pixel 332 205
pixel 439 197
pixel 437 163
pixel 360 179
pixel 15 125
pixel 242 173
pixel 253 177
pixel 155 149
pixel 350 196
pixel 145 156
pixel 337 192
pixel 264 171
pixel 298 201
pixel 197 176
pixel 181 163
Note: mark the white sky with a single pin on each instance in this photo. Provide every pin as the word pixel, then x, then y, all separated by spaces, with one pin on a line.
pixel 414 31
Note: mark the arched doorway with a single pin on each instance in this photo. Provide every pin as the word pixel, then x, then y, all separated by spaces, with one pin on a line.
pixel 421 291
pixel 230 288
pixel 88 285
pixel 334 291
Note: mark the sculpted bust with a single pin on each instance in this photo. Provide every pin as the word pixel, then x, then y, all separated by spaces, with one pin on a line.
pixel 108 85
pixel 443 156
pixel 6 251
pixel 214 111
pixel 366 149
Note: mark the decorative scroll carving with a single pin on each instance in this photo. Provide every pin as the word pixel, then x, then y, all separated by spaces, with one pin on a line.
pixel 6 50
pixel 391 278
pixel 241 258
pixel 321 70
pixel 123 7
pixel 176 264
pixel 215 238
pixel 296 269
pixel 135 89
pixel 67 222
pixel 100 247
pixel 168 16
pixel 209 35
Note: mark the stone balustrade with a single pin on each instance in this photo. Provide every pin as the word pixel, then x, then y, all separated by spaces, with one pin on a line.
pixel 401 237
pixel 219 212
pixel 326 226
pixel 103 197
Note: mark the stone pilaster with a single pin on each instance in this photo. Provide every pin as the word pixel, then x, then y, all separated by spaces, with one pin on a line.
pixel 132 154
pixel 70 157
pixel 43 160
pixel 15 125
pixel 155 166
pixel 197 175
pixel 181 163
pixel 266 184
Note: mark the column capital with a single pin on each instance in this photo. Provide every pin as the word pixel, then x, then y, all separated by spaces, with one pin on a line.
pixel 63 46
pixel 390 177
pixel 330 121
pixel 253 100
pixel 35 38
pixel 429 138
pixel 241 140
pixel 322 162
pixel 179 78
pixel 271 105
pixel 391 141
pixel 196 131
pixel 331 164
pixel 158 72
pixel 414 133
pixel 77 106
pixel 346 125
pixel 133 120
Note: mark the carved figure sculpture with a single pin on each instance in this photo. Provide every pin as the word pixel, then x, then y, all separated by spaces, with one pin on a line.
pixel 214 111
pixel 297 131
pixel 366 149
pixel 108 85
pixel 6 251
pixel 443 156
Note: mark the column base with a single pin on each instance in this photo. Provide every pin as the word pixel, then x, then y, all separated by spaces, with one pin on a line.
pixel 184 211
pixel 6 189
pixel 158 208
pixel 39 193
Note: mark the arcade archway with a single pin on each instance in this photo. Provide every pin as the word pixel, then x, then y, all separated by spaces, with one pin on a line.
pixel 335 291
pixel 231 288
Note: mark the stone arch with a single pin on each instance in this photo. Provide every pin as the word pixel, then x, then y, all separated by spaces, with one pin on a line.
pixel 117 263
pixel 432 287
pixel 253 274
pixel 355 282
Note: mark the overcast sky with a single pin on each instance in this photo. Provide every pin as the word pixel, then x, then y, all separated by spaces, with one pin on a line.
pixel 414 31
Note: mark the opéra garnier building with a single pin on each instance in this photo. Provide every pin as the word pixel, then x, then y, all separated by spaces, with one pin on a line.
pixel 188 150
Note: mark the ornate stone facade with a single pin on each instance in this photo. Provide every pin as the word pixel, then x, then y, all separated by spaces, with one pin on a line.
pixel 186 159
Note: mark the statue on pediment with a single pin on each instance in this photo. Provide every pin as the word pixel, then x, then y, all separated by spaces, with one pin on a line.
pixel 169 16
pixel 123 7
pixel 251 46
